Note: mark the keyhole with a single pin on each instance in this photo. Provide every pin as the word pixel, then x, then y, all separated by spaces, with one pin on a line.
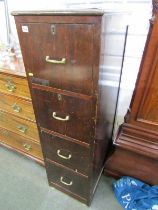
pixel 59 97
pixel 53 29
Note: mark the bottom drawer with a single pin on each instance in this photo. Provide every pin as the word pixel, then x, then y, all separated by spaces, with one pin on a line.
pixel 20 143
pixel 67 179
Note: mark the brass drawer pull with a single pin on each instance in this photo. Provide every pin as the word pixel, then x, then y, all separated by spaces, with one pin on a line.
pixel 16 108
pixel 22 128
pixel 62 61
pixel 30 74
pixel 62 156
pixel 65 183
pixel 11 87
pixel 5 133
pixel 59 118
pixel 27 147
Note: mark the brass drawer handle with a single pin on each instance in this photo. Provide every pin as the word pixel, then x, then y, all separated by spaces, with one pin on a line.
pixel 65 183
pixel 22 128
pixel 30 74
pixel 62 61
pixel 27 147
pixel 16 108
pixel 59 118
pixel 11 87
pixel 62 156
pixel 5 133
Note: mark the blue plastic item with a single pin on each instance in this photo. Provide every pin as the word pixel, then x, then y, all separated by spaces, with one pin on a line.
pixel 133 194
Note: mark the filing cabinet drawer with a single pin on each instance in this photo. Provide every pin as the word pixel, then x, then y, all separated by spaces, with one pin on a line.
pixel 20 126
pixel 21 143
pixel 65 152
pixel 67 179
pixel 16 86
pixel 61 62
pixel 17 106
pixel 70 116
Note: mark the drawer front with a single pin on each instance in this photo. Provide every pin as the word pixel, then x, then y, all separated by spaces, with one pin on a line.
pixel 67 180
pixel 19 126
pixel 61 63
pixel 14 85
pixel 17 106
pixel 71 116
pixel 21 143
pixel 67 153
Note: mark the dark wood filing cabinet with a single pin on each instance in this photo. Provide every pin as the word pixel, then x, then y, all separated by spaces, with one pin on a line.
pixel 61 52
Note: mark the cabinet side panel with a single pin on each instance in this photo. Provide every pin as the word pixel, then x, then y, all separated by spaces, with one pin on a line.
pixel 105 107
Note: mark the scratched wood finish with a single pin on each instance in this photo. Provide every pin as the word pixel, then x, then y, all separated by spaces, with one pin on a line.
pixel 67 153
pixel 80 112
pixel 17 106
pixel 21 143
pixel 138 136
pixel 72 91
pixel 67 179
pixel 76 74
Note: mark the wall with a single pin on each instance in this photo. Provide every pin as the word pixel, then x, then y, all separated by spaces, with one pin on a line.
pixel 3 31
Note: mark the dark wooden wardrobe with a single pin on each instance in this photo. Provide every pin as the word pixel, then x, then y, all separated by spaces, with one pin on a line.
pixel 136 145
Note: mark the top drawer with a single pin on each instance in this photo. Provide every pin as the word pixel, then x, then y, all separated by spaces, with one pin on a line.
pixel 61 57
pixel 17 86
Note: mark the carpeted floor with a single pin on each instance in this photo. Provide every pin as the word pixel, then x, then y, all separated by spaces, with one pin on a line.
pixel 23 186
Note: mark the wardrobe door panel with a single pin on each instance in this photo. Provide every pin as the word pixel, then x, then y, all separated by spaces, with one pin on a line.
pixel 148 110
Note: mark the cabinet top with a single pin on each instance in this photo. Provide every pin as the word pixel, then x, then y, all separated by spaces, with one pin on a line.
pixel 92 12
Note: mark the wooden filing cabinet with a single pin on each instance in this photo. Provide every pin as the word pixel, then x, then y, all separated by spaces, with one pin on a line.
pixel 18 129
pixel 61 51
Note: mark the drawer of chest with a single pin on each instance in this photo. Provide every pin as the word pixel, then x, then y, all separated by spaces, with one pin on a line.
pixel 65 152
pixel 67 179
pixel 20 126
pixel 17 86
pixel 21 143
pixel 69 65
pixel 70 116
pixel 17 106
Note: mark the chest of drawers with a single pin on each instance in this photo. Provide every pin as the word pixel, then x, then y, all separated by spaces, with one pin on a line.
pixel 18 129
pixel 61 51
